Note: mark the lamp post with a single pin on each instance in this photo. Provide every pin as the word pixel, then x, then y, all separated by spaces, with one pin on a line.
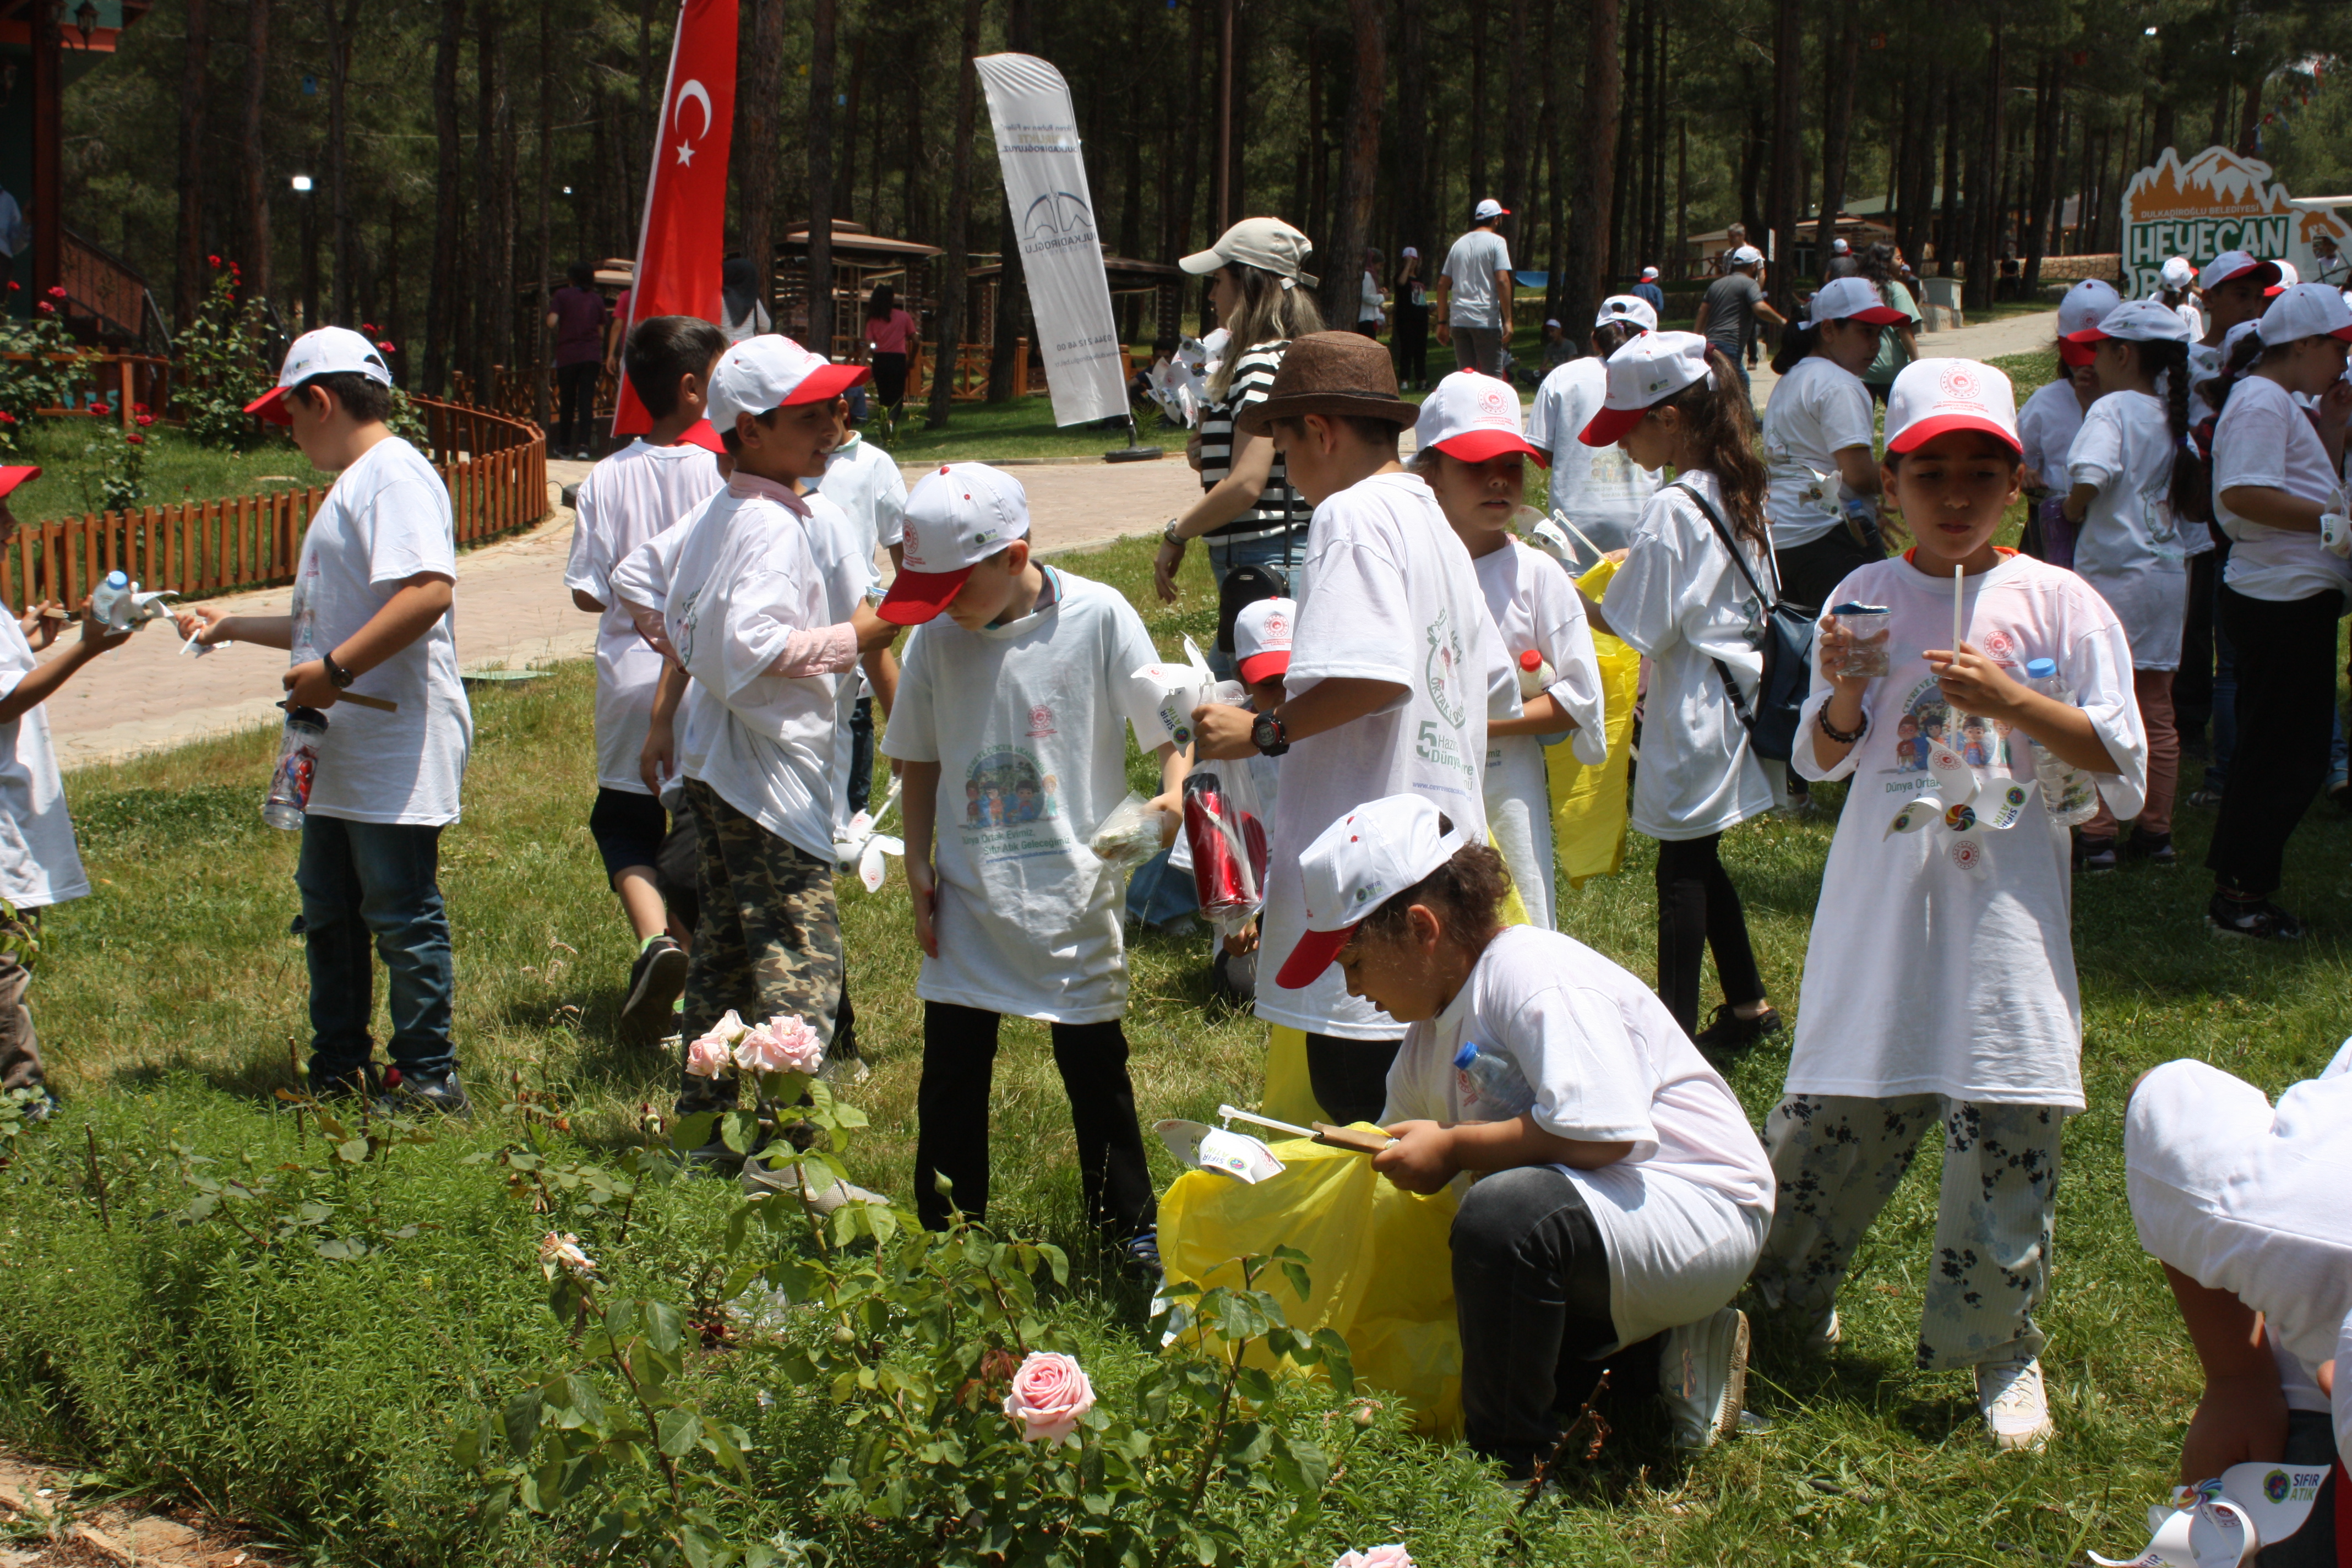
pixel 301 184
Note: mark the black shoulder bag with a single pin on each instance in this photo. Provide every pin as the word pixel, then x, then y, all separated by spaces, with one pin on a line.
pixel 1771 723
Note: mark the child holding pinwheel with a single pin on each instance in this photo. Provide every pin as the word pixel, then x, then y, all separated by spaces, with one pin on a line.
pixel 1939 987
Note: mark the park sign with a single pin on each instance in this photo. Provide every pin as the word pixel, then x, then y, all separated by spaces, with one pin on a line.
pixel 2215 202
pixel 1053 224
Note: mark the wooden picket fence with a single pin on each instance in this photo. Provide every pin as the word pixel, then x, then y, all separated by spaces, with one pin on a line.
pixel 495 467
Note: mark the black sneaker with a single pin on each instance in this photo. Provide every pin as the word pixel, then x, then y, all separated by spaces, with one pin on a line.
pixel 655 981
pixel 365 1081
pixel 2257 917
pixel 2156 848
pixel 2094 854
pixel 1727 1033
pixel 408 1092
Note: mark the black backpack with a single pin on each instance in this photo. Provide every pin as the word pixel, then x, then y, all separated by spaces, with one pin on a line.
pixel 1771 723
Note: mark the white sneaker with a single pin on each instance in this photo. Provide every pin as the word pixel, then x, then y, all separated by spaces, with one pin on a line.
pixel 1825 1335
pixel 1703 1377
pixel 2016 1406
pixel 823 1192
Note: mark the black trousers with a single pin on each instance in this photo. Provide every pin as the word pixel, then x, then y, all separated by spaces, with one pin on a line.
pixel 1350 1077
pixel 1532 1299
pixel 1411 340
pixel 2310 1440
pixel 575 405
pixel 1698 908
pixel 951 1118
pixel 1810 572
pixel 2192 685
pixel 2286 705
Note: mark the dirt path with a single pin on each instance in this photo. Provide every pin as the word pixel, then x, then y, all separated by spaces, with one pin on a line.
pixel 49 1528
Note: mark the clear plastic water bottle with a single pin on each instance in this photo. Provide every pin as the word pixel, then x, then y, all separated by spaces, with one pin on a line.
pixel 110 602
pixel 2067 792
pixel 1491 1084
pixel 297 765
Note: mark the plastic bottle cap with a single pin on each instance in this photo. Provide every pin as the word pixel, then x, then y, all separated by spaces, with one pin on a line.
pixel 117 580
pixel 2040 669
pixel 1531 659
pixel 1465 1056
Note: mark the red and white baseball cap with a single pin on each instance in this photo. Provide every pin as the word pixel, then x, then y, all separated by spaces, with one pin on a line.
pixel 1488 208
pixel 2287 278
pixel 770 370
pixel 1840 248
pixel 1931 396
pixel 2086 304
pixel 2307 311
pixel 1474 417
pixel 2135 321
pixel 1262 639
pixel 1357 864
pixel 1646 371
pixel 322 351
pixel 1649 275
pixel 1850 300
pixel 1627 308
pixel 957 515
pixel 2236 264
pixel 10 477
pixel 2177 273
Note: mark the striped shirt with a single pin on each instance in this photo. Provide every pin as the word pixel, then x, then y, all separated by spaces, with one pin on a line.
pixel 1252 379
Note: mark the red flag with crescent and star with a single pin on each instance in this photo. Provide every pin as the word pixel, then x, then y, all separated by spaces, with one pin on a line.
pixel 684 240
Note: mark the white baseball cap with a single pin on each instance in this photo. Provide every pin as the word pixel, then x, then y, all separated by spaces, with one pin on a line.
pixel 1627 308
pixel 2307 311
pixel 1414 251
pixel 1262 639
pixel 1488 208
pixel 1474 417
pixel 1840 248
pixel 1360 861
pixel 1551 321
pixel 2086 305
pixel 2177 273
pixel 324 351
pixel 1748 256
pixel 2236 263
pixel 1931 396
pixel 770 370
pixel 1649 275
pixel 1266 243
pixel 2287 278
pixel 957 515
pixel 2136 322
pixel 1647 370
pixel 1850 300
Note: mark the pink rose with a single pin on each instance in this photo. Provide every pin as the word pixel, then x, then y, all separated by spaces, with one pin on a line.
pixel 1049 1394
pixel 783 1044
pixel 1389 1556
pixel 714 1052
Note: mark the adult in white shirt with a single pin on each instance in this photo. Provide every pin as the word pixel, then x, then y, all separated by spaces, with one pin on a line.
pixel 1370 315
pixel 1599 487
pixel 1822 497
pixel 1474 292
pixel 2282 594
pixel 1394 664
pixel 1697 613
pixel 1622 1192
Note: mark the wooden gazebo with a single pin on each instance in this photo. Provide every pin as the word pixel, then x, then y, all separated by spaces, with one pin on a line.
pixel 860 260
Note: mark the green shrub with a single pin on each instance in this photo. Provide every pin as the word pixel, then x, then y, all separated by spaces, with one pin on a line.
pixel 224 363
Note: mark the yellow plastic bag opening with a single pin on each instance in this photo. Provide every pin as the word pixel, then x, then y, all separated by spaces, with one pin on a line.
pixel 1588 806
pixel 1379 1262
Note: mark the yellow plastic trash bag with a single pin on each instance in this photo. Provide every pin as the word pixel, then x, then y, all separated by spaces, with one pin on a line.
pixel 1589 807
pixel 1379 1263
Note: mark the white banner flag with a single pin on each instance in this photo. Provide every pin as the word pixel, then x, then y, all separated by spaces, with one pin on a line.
pixel 1054 223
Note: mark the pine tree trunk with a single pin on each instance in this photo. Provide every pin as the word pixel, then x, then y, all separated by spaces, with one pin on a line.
pixel 1947 234
pixel 542 358
pixel 1595 184
pixel 189 280
pixel 1621 163
pixel 487 286
pixel 1837 128
pixel 1984 188
pixel 445 304
pixel 1778 240
pixel 1012 284
pixel 1517 75
pixel 954 265
pixel 340 30
pixel 2049 92
pixel 1359 165
pixel 1415 209
pixel 758 106
pixel 255 172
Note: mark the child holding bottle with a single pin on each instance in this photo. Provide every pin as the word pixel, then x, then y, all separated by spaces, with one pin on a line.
pixel 1474 456
pixel 1940 989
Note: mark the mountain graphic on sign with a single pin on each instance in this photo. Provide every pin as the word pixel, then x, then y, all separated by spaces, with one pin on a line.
pixel 1057 214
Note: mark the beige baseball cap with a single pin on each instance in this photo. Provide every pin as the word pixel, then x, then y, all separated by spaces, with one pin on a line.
pixel 1266 243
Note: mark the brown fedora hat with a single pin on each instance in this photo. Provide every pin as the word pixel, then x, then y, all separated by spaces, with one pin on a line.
pixel 1330 373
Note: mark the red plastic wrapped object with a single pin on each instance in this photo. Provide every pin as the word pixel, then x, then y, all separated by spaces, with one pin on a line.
pixel 1228 841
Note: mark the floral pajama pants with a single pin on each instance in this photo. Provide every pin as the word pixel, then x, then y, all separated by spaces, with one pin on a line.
pixel 1836 1161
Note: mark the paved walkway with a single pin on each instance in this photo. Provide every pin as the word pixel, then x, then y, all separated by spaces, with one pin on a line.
pixel 512 609
pixel 2011 335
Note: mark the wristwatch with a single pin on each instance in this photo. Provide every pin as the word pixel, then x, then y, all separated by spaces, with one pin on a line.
pixel 1169 535
pixel 337 675
pixel 1268 736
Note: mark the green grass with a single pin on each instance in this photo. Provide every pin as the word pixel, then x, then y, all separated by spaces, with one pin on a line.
pixel 177 469
pixel 312 1398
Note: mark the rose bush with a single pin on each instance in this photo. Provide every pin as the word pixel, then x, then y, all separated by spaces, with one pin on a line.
pixel 785 1043
pixel 1050 1393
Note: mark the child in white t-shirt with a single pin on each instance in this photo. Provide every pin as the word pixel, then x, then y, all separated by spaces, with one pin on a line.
pixel 375 611
pixel 1470 451
pixel 865 481
pixel 1939 980
pixel 747 611
pixel 1261 633
pixel 1822 502
pixel 1009 731
pixel 1622 1194
pixel 39 865
pixel 641 490
pixel 1599 487
pixel 2047 424
pixel 1696 611
pixel 2126 543
pixel 2244 1205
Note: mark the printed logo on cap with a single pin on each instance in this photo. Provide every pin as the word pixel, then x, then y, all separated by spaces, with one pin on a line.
pixel 1277 625
pixel 1958 383
pixel 1491 400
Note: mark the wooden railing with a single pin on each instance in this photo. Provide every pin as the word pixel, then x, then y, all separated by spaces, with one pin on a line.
pixel 123 382
pixel 495 467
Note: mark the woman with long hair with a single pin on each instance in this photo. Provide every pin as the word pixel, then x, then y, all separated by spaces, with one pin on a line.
pixel 1823 499
pixel 1898 344
pixel 1263 298
pixel 1698 612
pixel 889 339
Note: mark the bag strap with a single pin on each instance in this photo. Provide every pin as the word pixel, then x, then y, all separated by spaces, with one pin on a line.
pixel 1723 671
pixel 1771 601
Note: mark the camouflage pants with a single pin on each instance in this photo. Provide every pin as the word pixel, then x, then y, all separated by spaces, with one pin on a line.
pixel 20 1049
pixel 1837 1161
pixel 769 940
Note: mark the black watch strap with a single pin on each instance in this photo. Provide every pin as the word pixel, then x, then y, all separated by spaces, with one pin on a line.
pixel 1268 735
pixel 337 675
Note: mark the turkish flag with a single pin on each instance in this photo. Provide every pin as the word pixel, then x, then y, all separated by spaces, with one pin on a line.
pixel 684 240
